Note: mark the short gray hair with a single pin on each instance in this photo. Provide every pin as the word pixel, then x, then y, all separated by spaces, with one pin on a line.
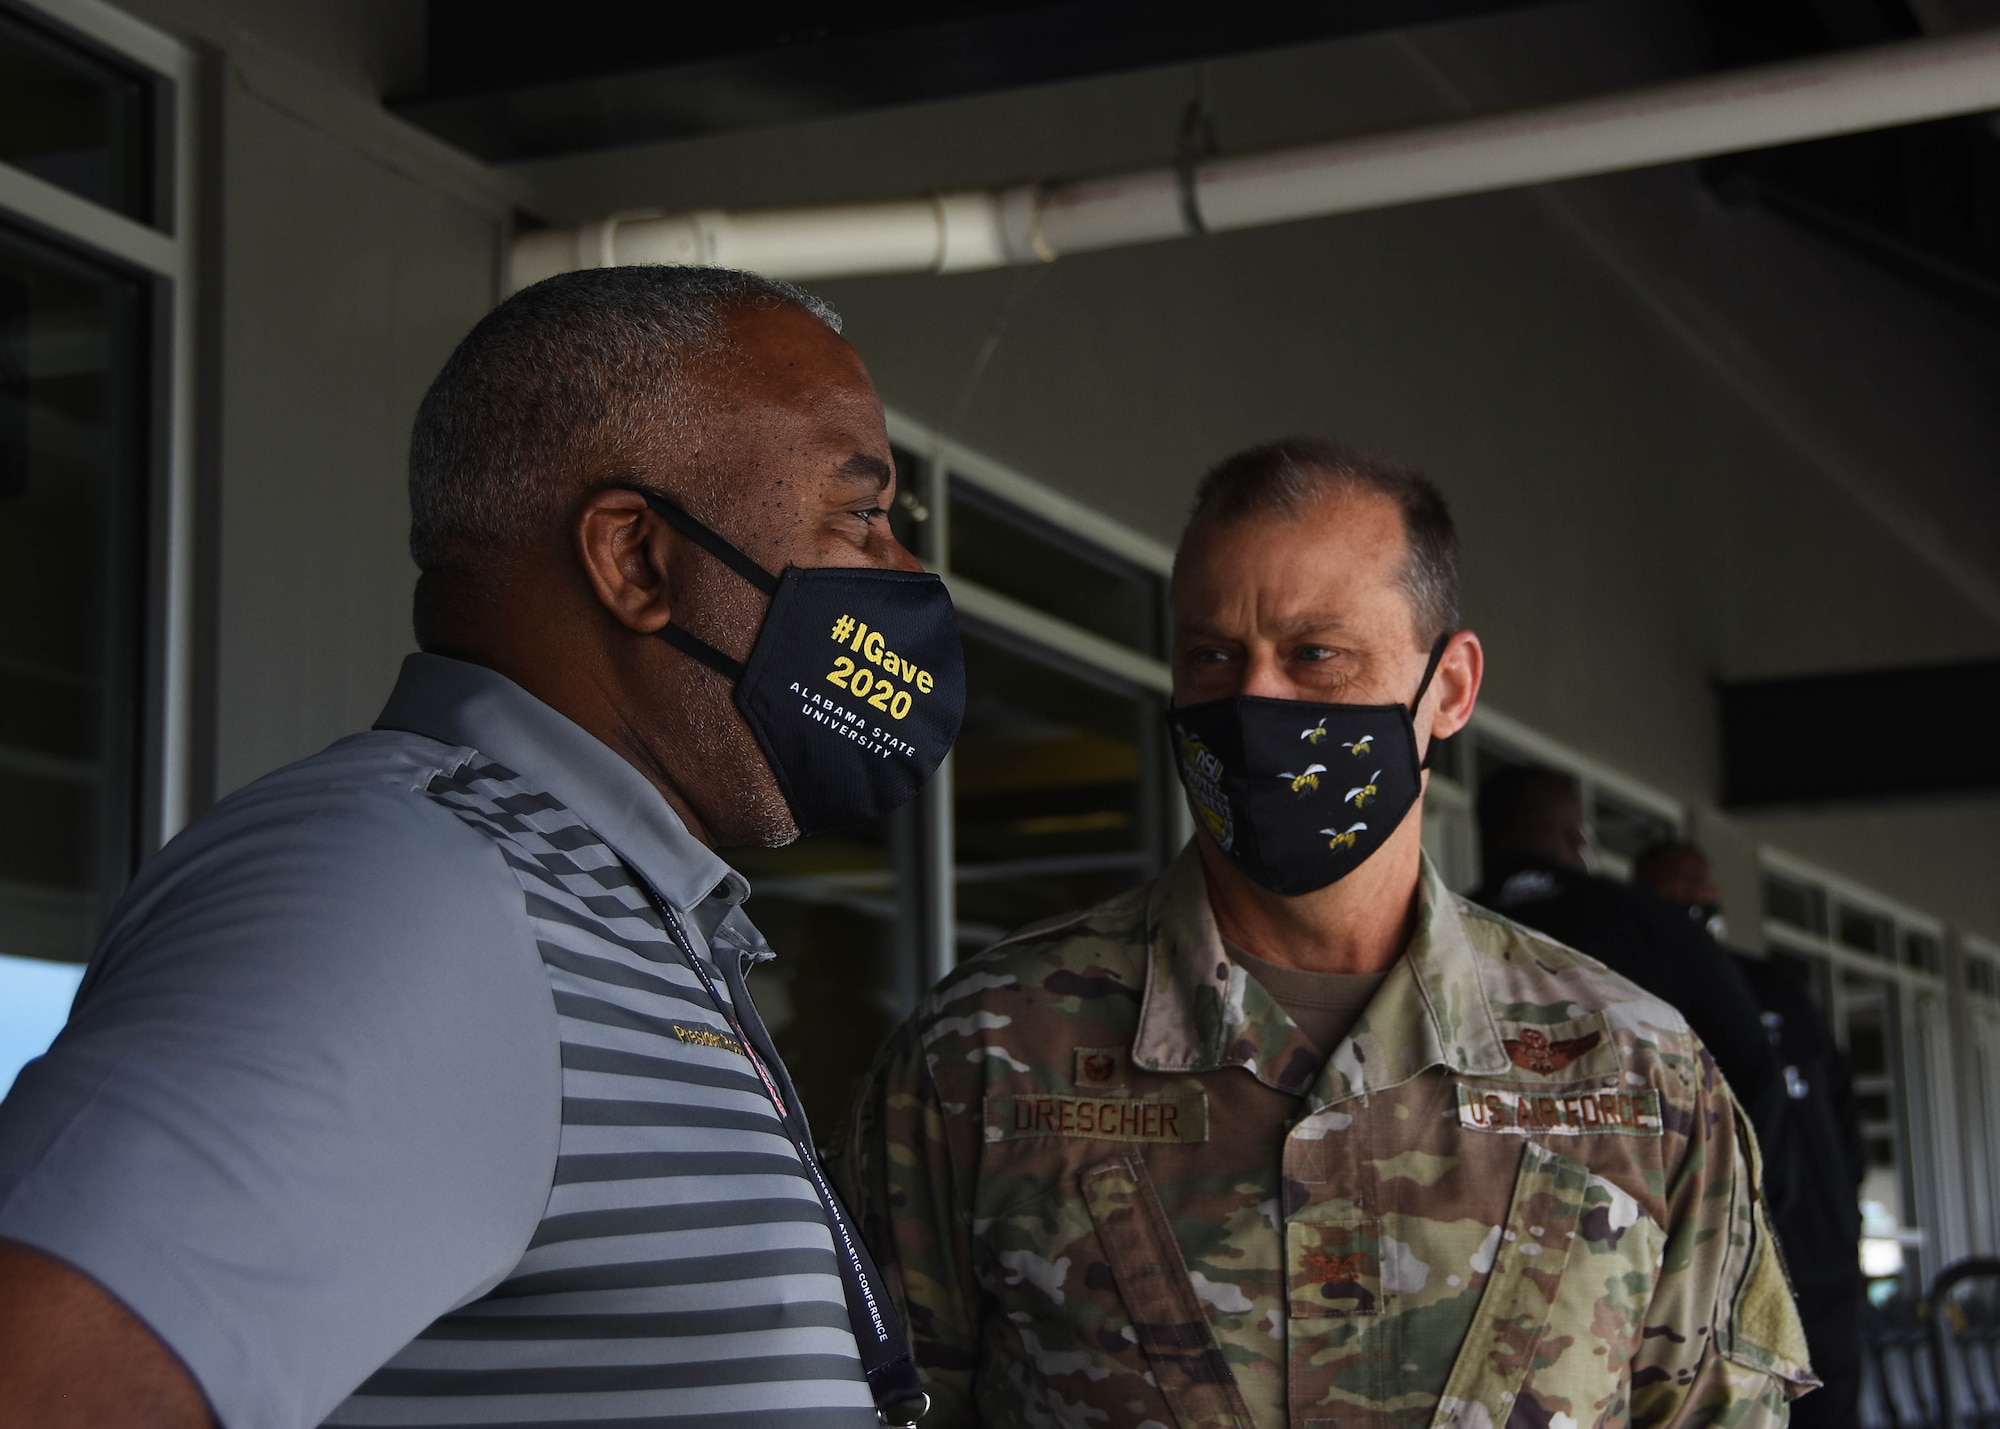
pixel 568 383
pixel 1284 478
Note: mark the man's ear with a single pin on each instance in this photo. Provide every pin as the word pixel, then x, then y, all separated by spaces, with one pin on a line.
pixel 1456 683
pixel 628 553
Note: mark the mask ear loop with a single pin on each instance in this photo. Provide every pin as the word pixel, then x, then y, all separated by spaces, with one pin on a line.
pixel 1423 688
pixel 677 636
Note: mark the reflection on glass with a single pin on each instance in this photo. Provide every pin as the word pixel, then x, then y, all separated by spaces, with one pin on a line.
pixel 1626 829
pixel 74 119
pixel 909 518
pixel 1058 795
pixel 1794 903
pixel 1865 932
pixel 70 502
pixel 842 911
pixel 1020 555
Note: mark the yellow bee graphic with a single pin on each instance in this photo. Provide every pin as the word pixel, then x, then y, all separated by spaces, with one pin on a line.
pixel 1361 794
pixel 1360 747
pixel 1307 780
pixel 1315 734
pixel 1343 838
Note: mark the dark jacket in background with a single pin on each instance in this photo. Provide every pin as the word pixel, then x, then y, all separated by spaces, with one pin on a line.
pixel 1655 944
pixel 1819 1220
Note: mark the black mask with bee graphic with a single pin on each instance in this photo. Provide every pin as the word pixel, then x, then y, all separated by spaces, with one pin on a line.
pixel 1299 793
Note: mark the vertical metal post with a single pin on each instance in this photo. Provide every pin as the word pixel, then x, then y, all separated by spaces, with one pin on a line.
pixel 940 944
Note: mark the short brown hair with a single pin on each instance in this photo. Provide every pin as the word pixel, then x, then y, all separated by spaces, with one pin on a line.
pixel 1285 477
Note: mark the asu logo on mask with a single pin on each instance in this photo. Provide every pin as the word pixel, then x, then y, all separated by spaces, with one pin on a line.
pixel 1308 780
pixel 1244 762
pixel 1201 775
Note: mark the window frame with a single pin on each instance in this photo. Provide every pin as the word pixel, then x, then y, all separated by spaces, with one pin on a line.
pixel 1922 1022
pixel 939 460
pixel 162 255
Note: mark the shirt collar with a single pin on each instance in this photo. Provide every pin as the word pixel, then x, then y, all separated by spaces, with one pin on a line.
pixel 1201 1011
pixel 463 704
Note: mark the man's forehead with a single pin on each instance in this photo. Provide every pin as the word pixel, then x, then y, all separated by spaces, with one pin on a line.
pixel 1343 540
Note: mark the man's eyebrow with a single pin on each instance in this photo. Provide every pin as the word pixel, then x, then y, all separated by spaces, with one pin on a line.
pixel 864 467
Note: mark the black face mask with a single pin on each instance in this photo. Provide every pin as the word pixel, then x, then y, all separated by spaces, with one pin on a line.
pixel 1298 793
pixel 855 686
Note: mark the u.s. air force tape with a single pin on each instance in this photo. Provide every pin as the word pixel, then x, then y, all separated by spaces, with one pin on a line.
pixel 1176 1118
pixel 1579 1113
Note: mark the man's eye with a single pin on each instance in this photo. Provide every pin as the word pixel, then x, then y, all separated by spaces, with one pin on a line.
pixel 1314 652
pixel 870 513
pixel 1207 657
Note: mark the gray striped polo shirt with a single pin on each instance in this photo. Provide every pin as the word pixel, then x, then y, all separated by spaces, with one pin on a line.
pixel 478 1149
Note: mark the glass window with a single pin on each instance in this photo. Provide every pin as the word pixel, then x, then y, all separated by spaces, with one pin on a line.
pixel 75 120
pixel 71 498
pixel 1058 779
pixel 842 910
pixel 1796 904
pixel 34 1003
pixel 1626 829
pixel 1018 554
pixel 1921 950
pixel 1865 932
pixel 909 518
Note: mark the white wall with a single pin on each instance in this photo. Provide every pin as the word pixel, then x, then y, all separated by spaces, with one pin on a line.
pixel 347 285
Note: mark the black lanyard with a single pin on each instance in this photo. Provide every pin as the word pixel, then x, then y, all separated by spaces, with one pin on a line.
pixel 885 1350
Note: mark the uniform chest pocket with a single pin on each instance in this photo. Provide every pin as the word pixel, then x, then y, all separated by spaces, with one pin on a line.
pixel 1333 1266
pixel 1560 1318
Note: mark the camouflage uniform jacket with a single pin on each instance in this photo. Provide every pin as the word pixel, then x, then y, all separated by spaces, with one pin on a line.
pixel 1115 1186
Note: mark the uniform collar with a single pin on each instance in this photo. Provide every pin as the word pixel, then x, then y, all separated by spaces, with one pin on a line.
pixel 463 704
pixel 1201 1011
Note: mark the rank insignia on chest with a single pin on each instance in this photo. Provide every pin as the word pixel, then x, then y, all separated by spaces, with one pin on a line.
pixel 1099 1067
pixel 1535 1051
pixel 1547 1050
pixel 1582 1112
pixel 1179 1118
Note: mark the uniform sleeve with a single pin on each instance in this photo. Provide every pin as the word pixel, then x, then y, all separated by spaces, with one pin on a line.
pixel 308 1100
pixel 1722 1343
pixel 900 1170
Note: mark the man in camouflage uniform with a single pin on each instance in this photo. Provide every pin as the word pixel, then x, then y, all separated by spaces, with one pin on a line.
pixel 1137 1168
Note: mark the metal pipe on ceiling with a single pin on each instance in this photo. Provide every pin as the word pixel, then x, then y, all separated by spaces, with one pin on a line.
pixel 1816 98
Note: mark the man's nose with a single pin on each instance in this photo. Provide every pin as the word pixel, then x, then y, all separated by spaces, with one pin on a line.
pixel 1264 676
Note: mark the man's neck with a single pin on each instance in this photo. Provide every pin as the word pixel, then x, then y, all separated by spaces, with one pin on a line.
pixel 1360 924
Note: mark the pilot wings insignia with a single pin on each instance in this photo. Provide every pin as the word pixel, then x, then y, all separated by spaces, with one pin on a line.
pixel 1533 1051
pixel 1330 1268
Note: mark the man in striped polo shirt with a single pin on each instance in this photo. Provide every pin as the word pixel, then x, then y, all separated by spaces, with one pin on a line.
pixel 417 1082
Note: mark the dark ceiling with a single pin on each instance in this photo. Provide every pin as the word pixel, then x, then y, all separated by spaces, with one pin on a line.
pixel 510 81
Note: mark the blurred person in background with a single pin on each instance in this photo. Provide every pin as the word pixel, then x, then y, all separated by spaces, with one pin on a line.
pixel 1538 866
pixel 1818 1219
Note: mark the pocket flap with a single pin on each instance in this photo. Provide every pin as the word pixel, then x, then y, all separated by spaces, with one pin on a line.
pixel 1167 1315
